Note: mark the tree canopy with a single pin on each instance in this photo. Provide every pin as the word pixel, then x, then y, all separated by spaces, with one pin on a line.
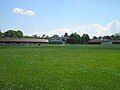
pixel 76 37
pixel 85 38
pixel 14 34
pixel 94 37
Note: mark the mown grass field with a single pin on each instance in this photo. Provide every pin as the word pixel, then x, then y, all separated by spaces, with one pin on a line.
pixel 72 67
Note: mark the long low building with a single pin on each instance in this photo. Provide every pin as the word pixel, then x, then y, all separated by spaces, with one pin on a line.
pixel 116 41
pixel 22 41
pixel 103 41
pixel 94 41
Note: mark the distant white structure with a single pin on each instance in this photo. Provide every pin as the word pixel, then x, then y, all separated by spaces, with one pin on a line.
pixel 106 42
pixel 56 40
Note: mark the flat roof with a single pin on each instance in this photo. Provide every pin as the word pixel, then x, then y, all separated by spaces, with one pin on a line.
pixel 24 40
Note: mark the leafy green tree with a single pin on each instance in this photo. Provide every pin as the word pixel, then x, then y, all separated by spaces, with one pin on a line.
pixel 85 38
pixel 94 37
pixel 34 36
pixel 19 34
pixel 46 37
pixel 55 35
pixel 66 35
pixel 14 34
pixel 43 36
pixel 10 33
pixel 71 41
pixel 76 37
pixel 100 37
pixel 117 37
pixel 113 37
pixel 26 36
pixel 1 34
pixel 107 37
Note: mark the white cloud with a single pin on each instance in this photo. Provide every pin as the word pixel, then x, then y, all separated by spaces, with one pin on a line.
pixel 92 29
pixel 22 11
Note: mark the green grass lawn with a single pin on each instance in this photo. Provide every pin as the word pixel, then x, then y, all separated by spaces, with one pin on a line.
pixel 72 67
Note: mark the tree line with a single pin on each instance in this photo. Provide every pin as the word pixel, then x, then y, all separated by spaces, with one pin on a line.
pixel 18 34
pixel 112 37
pixel 74 38
pixel 11 33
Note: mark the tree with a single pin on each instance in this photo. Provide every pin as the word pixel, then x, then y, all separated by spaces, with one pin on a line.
pixel 34 36
pixel 1 34
pixel 10 33
pixel 27 36
pixel 55 35
pixel 107 37
pixel 76 37
pixel 113 37
pixel 46 37
pixel 85 38
pixel 66 35
pixel 71 41
pixel 100 37
pixel 43 36
pixel 117 37
pixel 14 34
pixel 19 34
pixel 94 37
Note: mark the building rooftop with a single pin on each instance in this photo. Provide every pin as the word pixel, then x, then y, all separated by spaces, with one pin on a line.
pixel 24 40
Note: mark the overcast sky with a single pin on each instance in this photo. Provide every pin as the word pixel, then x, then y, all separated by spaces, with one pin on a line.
pixel 93 17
